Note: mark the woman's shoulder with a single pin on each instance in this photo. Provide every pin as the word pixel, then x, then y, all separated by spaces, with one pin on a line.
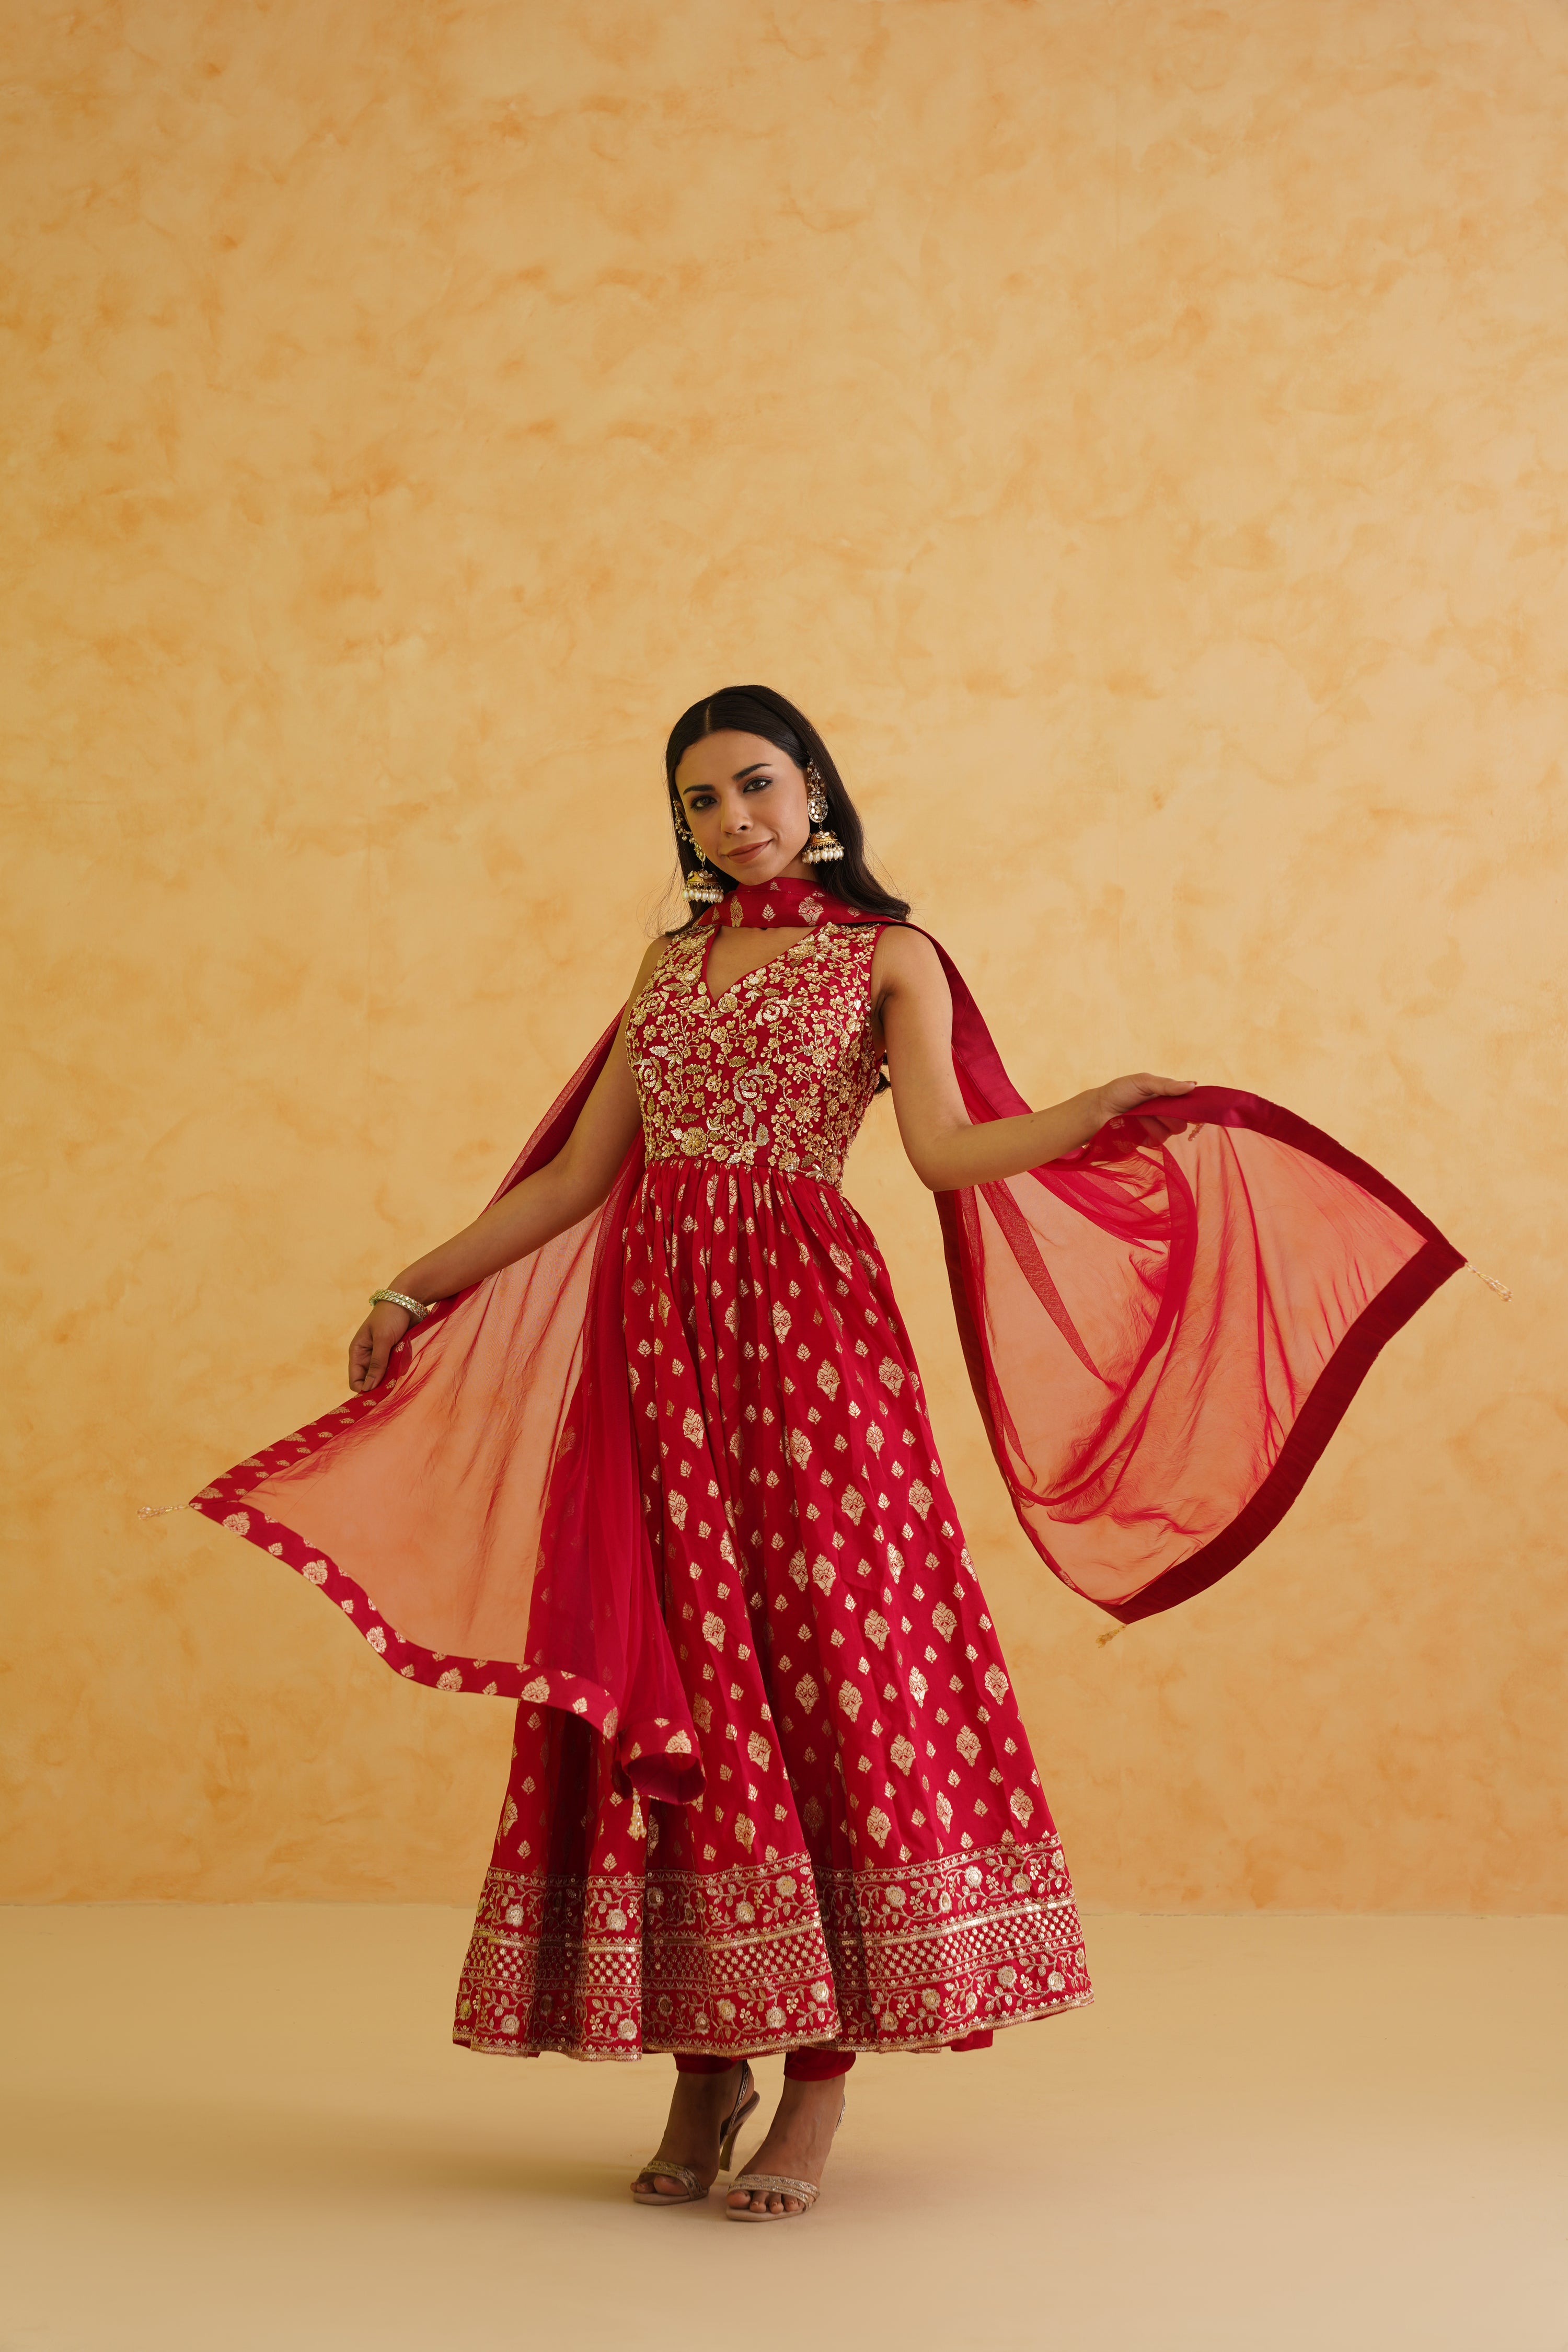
pixel 670 947
pixel 906 957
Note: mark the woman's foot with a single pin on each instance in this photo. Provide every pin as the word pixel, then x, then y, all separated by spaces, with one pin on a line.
pixel 796 2145
pixel 699 2113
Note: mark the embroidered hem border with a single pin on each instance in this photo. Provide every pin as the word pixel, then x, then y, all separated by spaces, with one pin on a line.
pixel 879 2048
pixel 772 1957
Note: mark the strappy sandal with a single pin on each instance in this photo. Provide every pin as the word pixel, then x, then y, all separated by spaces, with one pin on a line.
pixel 776 2184
pixel 695 2192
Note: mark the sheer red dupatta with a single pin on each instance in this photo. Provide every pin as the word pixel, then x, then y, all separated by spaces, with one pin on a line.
pixel 500 1438
pixel 1162 1338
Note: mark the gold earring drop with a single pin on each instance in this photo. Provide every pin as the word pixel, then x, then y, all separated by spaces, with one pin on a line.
pixel 703 887
pixel 824 845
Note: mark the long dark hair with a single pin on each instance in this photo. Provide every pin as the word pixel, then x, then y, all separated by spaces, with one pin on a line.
pixel 758 710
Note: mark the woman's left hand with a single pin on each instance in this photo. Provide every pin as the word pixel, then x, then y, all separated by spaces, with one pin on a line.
pixel 1119 1101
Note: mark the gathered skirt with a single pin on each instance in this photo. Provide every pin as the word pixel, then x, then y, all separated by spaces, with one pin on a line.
pixel 872 1862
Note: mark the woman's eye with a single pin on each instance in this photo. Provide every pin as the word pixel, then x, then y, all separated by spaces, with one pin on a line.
pixel 758 783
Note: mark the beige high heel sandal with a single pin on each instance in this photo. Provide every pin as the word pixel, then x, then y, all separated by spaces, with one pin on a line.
pixel 776 2184
pixel 746 2098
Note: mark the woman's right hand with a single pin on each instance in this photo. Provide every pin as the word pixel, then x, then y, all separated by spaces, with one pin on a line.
pixel 373 1343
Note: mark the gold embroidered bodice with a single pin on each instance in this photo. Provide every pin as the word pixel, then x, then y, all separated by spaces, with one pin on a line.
pixel 776 1073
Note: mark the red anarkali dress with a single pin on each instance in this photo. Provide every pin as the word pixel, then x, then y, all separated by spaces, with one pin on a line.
pixel 871 1860
pixel 668 1483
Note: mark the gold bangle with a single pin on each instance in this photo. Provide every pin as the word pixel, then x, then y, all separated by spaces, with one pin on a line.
pixel 415 1307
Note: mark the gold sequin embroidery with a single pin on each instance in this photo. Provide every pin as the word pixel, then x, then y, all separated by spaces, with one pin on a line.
pixel 776 1073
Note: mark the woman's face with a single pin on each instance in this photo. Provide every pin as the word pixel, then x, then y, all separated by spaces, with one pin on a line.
pixel 745 805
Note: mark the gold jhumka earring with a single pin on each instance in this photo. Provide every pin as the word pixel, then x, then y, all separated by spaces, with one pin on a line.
pixel 703 887
pixel 824 845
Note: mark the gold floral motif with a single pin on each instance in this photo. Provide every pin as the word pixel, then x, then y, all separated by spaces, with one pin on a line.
pixel 777 1074
pixel 878 1958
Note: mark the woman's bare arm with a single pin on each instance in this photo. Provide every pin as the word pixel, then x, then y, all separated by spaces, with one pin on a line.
pixel 556 1196
pixel 946 1149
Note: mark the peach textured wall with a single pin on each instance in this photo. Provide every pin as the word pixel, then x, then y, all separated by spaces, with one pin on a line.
pixel 1137 433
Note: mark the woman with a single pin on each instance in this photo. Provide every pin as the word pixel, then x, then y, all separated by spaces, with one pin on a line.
pixel 770 1790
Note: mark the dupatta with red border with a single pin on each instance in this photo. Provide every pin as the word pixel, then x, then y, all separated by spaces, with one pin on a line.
pixel 1162 1330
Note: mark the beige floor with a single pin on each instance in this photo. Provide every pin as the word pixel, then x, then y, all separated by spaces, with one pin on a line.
pixel 241 2129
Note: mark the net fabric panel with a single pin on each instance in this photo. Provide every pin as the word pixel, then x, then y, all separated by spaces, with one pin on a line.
pixel 428 1495
pixel 1157 1336
pixel 1163 1333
